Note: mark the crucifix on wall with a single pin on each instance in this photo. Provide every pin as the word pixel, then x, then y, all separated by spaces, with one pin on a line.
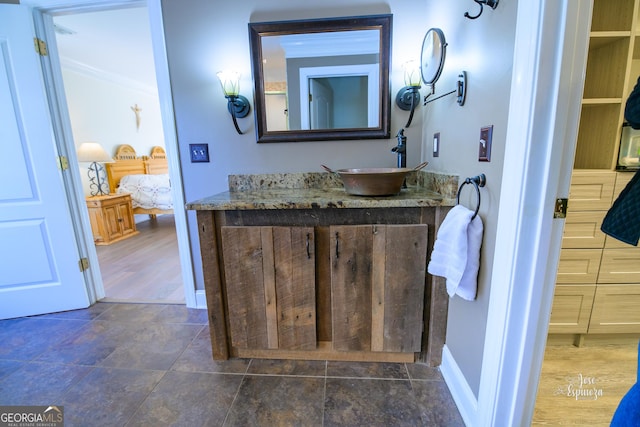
pixel 136 110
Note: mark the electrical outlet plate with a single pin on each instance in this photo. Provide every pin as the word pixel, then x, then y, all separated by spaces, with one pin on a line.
pixel 199 153
pixel 486 136
pixel 436 144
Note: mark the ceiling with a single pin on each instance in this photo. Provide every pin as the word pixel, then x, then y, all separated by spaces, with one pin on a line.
pixel 111 42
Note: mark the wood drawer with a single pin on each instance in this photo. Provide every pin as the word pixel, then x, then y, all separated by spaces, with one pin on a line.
pixel 578 266
pixel 571 309
pixel 582 230
pixel 620 266
pixel 591 190
pixel 616 309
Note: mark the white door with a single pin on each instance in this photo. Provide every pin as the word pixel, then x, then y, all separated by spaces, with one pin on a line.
pixel 320 104
pixel 39 270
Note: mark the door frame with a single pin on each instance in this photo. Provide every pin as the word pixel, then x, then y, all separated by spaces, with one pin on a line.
pixel 43 17
pixel 535 174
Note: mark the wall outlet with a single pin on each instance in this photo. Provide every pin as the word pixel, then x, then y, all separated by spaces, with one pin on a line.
pixel 484 152
pixel 199 153
pixel 436 144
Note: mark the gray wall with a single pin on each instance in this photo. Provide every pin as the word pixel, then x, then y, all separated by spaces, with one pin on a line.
pixel 205 36
pixel 484 49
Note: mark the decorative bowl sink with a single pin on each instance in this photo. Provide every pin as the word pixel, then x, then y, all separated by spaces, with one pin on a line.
pixel 374 181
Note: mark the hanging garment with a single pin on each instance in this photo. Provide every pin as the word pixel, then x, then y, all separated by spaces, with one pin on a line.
pixel 622 222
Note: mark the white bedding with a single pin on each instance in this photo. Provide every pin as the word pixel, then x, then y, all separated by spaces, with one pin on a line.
pixel 147 191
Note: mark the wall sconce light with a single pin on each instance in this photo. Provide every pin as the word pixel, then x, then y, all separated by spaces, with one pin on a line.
pixel 94 153
pixel 408 98
pixel 237 104
pixel 491 3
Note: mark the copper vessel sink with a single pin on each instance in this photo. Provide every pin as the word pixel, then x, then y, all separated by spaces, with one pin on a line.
pixel 374 181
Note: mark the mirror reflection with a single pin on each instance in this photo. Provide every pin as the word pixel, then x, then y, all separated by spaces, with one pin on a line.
pixel 321 79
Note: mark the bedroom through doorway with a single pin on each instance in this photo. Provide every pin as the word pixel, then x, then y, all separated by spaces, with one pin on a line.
pixel 112 99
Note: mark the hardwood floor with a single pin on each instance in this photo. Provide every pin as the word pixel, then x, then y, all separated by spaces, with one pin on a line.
pixel 584 385
pixel 145 267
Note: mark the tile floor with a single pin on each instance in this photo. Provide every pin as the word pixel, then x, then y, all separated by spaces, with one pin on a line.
pixel 150 365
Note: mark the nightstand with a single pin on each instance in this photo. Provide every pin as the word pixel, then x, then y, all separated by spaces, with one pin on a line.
pixel 111 218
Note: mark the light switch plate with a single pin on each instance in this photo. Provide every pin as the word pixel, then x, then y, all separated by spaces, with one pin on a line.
pixel 199 153
pixel 436 144
pixel 484 152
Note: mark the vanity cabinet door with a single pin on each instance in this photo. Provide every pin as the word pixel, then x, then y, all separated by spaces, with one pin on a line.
pixel 270 285
pixel 377 286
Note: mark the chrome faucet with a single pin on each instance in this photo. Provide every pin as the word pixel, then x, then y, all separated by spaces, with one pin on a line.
pixel 401 149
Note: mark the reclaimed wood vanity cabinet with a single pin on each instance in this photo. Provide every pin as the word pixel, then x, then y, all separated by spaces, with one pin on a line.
pixel 307 273
pixel 377 279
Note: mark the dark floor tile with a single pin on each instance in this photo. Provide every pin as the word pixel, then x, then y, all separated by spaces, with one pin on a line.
pixel 197 358
pixel 419 371
pixel 89 345
pixel 26 338
pixel 367 370
pixel 436 404
pixel 39 383
pixel 157 346
pixel 107 396
pixel 133 312
pixel 366 402
pixel 277 401
pixel 7 367
pixel 181 314
pixel 188 399
pixel 311 368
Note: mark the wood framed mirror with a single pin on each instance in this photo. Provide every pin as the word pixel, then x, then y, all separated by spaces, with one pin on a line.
pixel 323 79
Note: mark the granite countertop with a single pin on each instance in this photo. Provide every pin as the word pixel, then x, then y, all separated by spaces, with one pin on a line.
pixel 323 190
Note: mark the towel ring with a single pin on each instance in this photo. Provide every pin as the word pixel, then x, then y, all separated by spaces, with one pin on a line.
pixel 477 181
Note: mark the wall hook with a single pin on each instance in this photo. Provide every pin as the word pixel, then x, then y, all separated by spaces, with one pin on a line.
pixel 491 3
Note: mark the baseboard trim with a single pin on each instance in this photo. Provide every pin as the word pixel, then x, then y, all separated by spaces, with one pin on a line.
pixel 201 300
pixel 462 394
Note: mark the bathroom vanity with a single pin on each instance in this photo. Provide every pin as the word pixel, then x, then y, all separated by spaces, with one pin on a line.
pixel 296 268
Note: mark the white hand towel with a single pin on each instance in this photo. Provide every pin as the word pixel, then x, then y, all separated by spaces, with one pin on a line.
pixel 456 252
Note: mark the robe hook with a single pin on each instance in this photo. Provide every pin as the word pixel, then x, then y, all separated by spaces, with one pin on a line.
pixel 491 3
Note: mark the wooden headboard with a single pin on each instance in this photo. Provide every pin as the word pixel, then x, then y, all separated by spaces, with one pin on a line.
pixel 127 162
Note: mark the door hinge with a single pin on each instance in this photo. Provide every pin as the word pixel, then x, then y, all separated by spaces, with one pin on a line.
pixel 63 163
pixel 41 46
pixel 83 264
pixel 560 210
pixel 310 98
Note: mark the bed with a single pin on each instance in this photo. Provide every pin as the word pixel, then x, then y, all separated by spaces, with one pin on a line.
pixel 146 178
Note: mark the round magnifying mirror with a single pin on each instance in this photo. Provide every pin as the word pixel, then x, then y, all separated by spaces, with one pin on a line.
pixel 432 56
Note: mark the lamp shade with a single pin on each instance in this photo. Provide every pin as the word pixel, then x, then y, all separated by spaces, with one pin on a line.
pixel 230 81
pixel 92 152
pixel 412 74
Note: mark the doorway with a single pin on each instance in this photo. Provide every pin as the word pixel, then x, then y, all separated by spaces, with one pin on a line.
pixel 107 66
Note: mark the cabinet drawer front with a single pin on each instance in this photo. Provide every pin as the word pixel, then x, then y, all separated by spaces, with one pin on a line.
pixel 591 190
pixel 579 266
pixel 620 266
pixel 582 230
pixel 571 309
pixel 616 309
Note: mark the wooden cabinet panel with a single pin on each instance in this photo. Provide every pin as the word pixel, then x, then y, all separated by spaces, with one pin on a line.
pixel 571 309
pixel 377 282
pixel 591 190
pixel 615 309
pixel 270 276
pixel 111 218
pixel 620 266
pixel 578 266
pixel 582 230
